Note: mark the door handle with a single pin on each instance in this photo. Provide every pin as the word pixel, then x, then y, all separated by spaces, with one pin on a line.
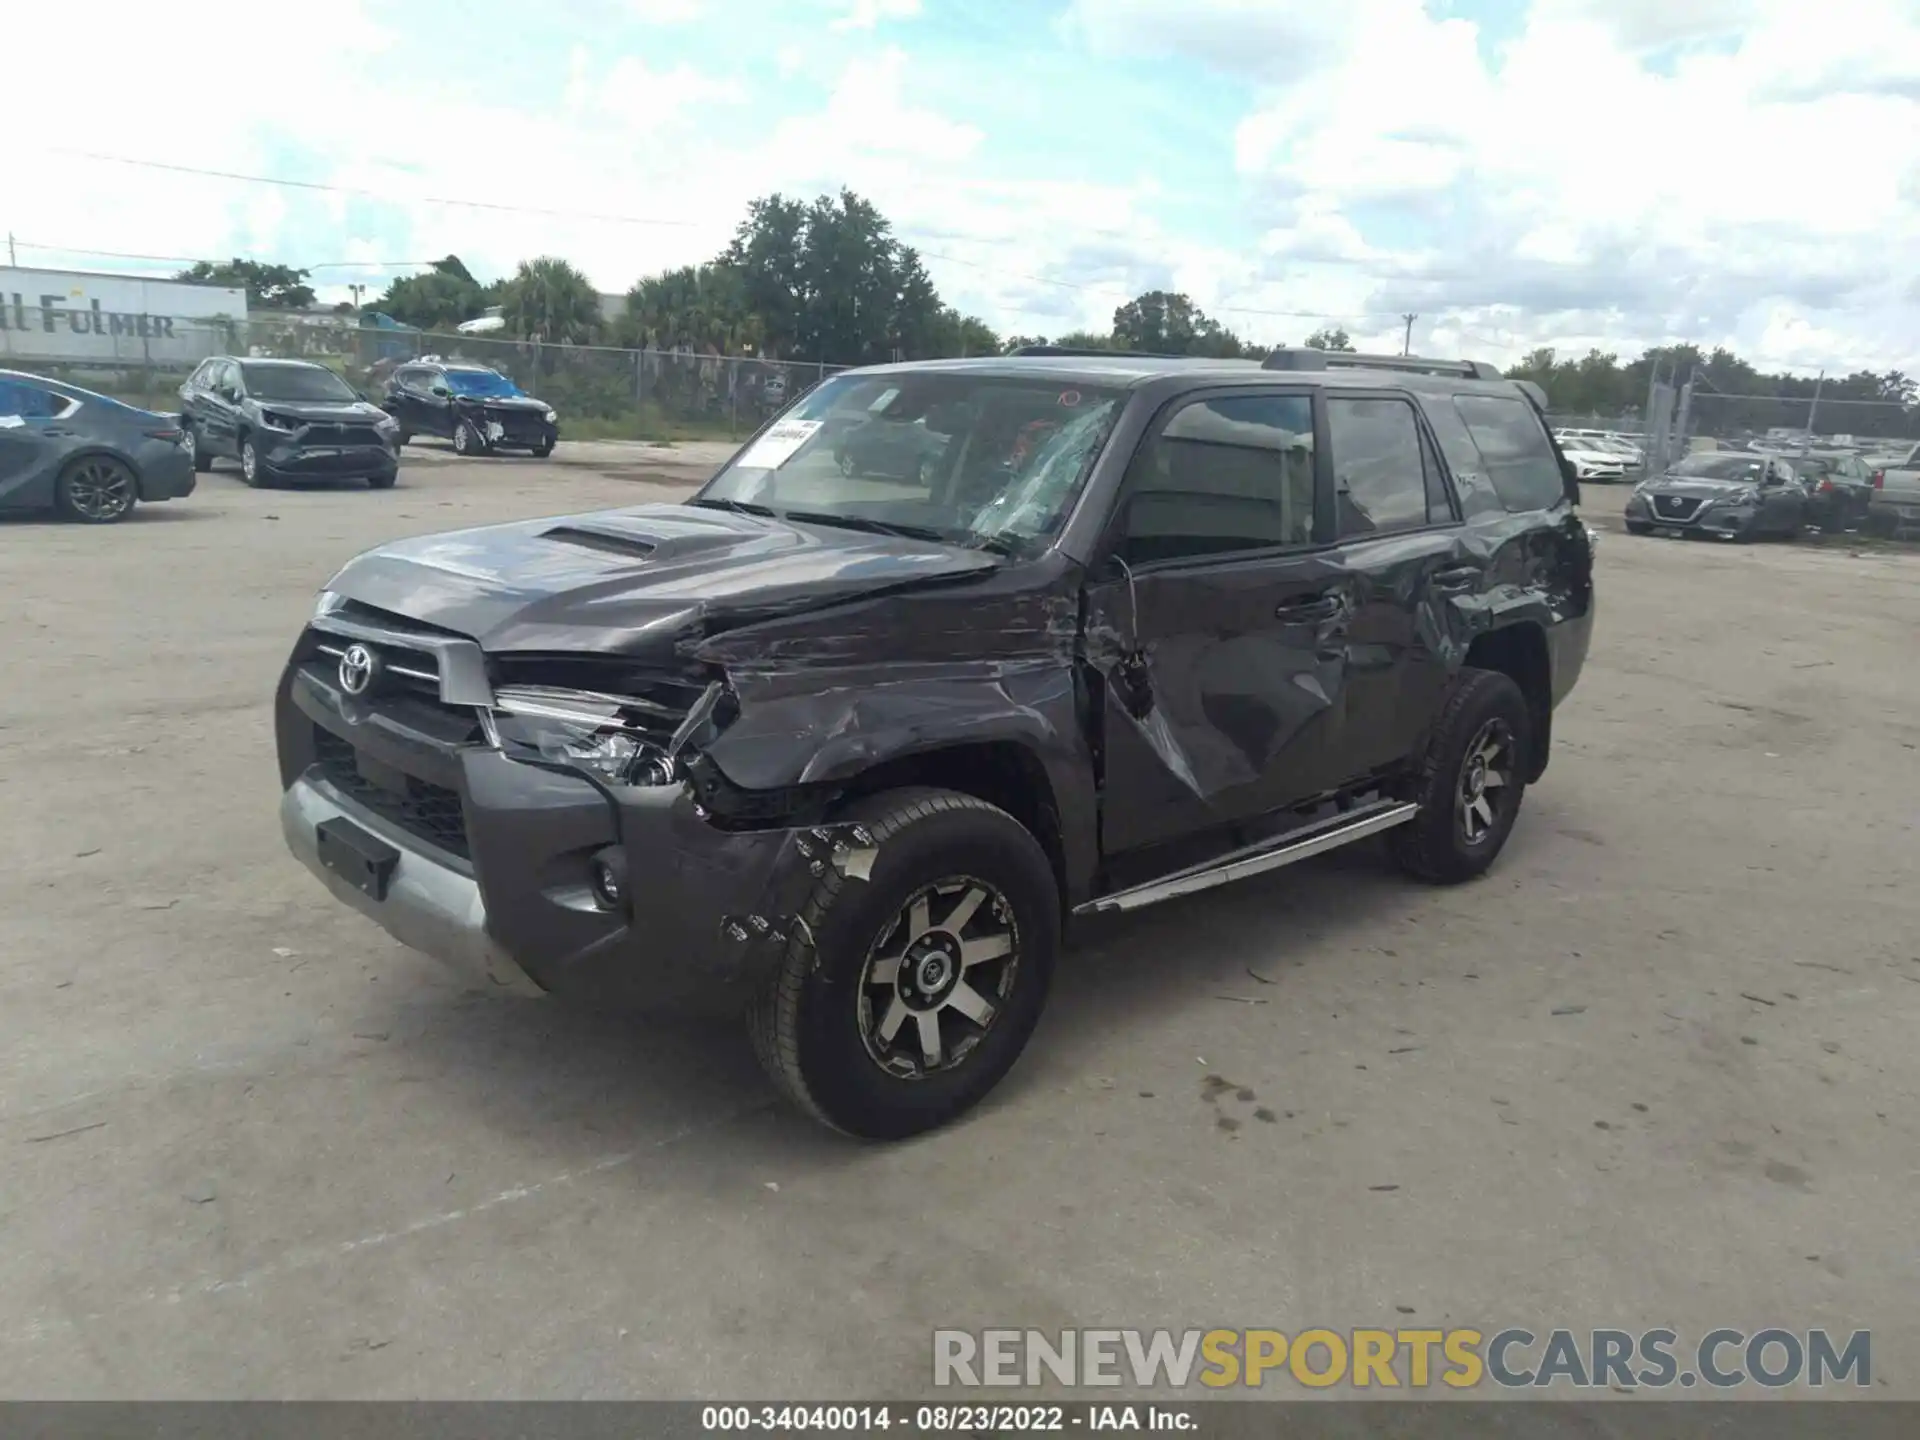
pixel 1321 606
pixel 1456 579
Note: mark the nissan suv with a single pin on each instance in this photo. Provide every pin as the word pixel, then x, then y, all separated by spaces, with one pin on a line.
pixel 845 755
pixel 478 409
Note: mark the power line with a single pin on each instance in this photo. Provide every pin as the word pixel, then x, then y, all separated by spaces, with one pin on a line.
pixel 196 259
pixel 613 219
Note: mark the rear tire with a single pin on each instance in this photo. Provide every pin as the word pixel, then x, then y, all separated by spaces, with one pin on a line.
pixel 1469 782
pixel 202 459
pixel 96 490
pixel 872 1027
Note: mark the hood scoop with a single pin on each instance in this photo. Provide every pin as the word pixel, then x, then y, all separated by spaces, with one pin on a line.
pixel 629 546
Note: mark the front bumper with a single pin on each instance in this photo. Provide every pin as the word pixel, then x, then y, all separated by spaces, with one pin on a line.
pixel 519 430
pixel 1707 519
pixel 295 460
pixel 508 894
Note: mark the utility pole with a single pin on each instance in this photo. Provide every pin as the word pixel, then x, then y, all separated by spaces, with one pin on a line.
pixel 1814 408
pixel 1406 347
pixel 358 290
pixel 12 259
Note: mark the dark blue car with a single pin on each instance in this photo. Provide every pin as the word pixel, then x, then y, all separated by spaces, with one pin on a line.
pixel 87 456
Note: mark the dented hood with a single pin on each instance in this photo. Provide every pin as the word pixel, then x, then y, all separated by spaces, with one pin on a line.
pixel 637 580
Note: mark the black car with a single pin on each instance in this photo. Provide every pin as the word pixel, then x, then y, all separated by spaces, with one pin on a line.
pixel 1725 494
pixel 845 756
pixel 286 420
pixel 478 409
pixel 88 456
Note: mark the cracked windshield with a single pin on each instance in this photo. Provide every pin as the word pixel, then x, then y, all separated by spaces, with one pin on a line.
pixel 992 463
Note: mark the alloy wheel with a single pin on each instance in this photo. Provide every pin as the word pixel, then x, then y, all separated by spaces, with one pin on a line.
pixel 100 488
pixel 938 977
pixel 189 444
pixel 1486 781
pixel 249 462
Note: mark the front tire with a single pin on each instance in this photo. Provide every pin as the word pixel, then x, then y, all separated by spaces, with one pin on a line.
pixel 1469 783
pixel 922 984
pixel 381 482
pixel 467 439
pixel 1637 527
pixel 252 472
pixel 543 449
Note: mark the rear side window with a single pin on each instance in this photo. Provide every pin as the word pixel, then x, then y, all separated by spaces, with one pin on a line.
pixel 1224 476
pixel 29 401
pixel 1513 444
pixel 1379 466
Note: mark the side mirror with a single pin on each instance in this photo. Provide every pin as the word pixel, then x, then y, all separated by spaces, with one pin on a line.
pixel 439 392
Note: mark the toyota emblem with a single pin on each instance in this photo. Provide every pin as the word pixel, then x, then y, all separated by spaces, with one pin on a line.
pixel 358 667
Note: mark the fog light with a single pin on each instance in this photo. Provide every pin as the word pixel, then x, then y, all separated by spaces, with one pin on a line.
pixel 610 879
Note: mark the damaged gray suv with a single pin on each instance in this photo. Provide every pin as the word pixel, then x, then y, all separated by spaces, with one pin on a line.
pixel 845 753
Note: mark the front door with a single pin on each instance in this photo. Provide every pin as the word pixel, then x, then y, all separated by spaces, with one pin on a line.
pixel 1218 622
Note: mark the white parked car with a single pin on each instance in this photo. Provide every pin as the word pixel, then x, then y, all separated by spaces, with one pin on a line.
pixel 1590 460
pixel 483 324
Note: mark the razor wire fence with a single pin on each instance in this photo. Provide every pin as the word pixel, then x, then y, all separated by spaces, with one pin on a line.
pixel 600 391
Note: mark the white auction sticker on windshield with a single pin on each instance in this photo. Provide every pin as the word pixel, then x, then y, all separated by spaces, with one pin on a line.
pixel 776 447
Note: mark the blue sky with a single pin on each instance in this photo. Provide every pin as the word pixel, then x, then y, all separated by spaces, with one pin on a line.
pixel 1519 172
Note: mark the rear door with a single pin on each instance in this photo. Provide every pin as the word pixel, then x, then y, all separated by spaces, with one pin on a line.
pixel 1408 571
pixel 1218 620
pixel 221 424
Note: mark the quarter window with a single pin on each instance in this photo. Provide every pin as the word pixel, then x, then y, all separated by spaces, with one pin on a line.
pixel 1513 444
pixel 1379 466
pixel 1223 476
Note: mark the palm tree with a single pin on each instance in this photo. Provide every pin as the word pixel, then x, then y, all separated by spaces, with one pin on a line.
pixel 550 301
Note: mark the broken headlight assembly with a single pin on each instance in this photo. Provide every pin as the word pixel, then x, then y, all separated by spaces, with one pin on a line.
pixel 605 736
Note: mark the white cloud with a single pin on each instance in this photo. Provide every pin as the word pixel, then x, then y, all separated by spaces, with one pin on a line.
pixel 1631 168
pixel 867 14
pixel 666 12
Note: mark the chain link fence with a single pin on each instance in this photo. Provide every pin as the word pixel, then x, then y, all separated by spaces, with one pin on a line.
pixel 600 392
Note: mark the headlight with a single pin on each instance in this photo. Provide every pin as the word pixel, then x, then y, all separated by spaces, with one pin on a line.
pixel 273 421
pixel 550 415
pixel 326 602
pixel 385 422
pixel 598 734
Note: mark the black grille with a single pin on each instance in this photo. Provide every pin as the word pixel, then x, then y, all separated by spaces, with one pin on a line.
pixel 519 425
pixel 432 812
pixel 1675 507
pixel 328 433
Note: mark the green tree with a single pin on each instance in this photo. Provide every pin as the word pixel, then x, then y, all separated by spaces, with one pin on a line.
pixel 549 300
pixel 1330 338
pixel 1084 340
pixel 1162 322
pixel 271 287
pixel 702 308
pixel 438 298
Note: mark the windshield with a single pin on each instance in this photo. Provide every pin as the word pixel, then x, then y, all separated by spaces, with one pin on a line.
pixel 1812 467
pixel 296 382
pixel 1723 467
pixel 977 460
pixel 479 382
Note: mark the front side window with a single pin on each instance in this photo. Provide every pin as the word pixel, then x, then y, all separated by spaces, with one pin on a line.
pixel 1379 468
pixel 1513 446
pixel 1223 476
pixel 971 459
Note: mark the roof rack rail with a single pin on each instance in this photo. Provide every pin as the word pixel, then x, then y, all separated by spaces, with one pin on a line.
pixel 1309 359
pixel 1095 350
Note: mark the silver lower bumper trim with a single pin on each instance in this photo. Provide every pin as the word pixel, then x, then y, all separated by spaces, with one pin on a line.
pixel 429 906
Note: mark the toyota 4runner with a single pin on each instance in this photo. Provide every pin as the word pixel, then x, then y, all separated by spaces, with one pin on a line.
pixel 845 753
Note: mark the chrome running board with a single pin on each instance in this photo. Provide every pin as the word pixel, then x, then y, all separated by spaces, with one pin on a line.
pixel 1309 840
